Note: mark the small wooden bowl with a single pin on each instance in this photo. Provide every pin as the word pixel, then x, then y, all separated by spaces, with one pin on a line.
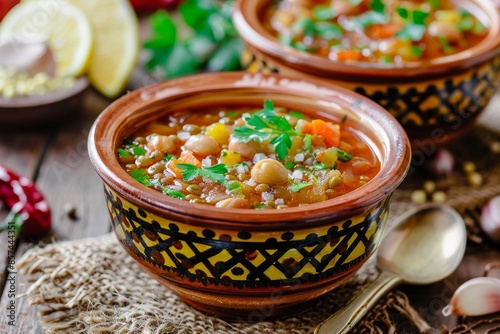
pixel 241 263
pixel 42 110
pixel 436 101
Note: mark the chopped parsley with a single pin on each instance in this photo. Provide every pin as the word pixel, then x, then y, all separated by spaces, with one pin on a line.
pixel 215 173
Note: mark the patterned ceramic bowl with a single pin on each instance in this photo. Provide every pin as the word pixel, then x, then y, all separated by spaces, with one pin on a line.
pixel 245 263
pixel 435 101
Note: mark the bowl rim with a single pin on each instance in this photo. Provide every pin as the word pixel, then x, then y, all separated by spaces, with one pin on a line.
pixel 247 23
pixel 104 137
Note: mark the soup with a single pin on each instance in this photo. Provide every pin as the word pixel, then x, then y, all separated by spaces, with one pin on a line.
pixel 253 159
pixel 378 31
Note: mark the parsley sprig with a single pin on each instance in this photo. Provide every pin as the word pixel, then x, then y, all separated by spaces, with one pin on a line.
pixel 265 124
pixel 215 173
pixel 140 176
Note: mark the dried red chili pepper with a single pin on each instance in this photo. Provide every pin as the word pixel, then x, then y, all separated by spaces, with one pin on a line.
pixel 26 203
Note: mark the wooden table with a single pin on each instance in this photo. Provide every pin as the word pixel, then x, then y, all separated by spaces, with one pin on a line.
pixel 57 159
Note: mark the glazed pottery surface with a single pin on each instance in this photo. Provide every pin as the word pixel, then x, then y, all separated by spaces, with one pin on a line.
pixel 240 263
pixel 436 101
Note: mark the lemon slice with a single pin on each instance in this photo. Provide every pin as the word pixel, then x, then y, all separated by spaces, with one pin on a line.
pixel 116 46
pixel 65 27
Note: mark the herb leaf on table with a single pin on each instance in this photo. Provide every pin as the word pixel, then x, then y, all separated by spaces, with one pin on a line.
pixel 200 37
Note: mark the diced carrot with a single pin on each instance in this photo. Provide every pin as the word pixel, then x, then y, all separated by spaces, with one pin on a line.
pixel 185 158
pixel 304 126
pixel 343 55
pixel 329 132
pixel 381 31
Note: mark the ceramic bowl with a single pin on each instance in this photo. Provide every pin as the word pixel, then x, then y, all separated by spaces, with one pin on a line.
pixel 435 101
pixel 242 263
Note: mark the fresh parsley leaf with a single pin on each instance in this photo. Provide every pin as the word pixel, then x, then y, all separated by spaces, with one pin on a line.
pixel 343 156
pixel 417 51
pixel 290 165
pixel 377 6
pixel 419 17
pixel 412 32
pixel 447 48
pixel 296 114
pixel 282 144
pixel 168 191
pixel 303 26
pixel 366 19
pixel 123 152
pixel 138 151
pixel 403 12
pixel 140 176
pixel 215 173
pixel 320 166
pixel 328 30
pixel 266 124
pixel 298 186
pixel 434 3
pixel 323 13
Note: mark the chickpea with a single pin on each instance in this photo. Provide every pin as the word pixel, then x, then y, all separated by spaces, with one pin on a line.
pixel 448 30
pixel 233 203
pixel 202 145
pixel 192 128
pixel 246 150
pixel 334 179
pixel 161 143
pixel 270 172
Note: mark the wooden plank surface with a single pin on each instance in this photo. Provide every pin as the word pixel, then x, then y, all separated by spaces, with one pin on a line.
pixel 67 179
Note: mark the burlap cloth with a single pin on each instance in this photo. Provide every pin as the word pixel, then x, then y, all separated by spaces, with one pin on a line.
pixel 93 286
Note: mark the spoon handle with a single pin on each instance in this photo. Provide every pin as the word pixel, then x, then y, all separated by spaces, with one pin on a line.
pixel 342 321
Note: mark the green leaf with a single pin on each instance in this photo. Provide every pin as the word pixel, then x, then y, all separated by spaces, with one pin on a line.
pixel 298 186
pixel 168 191
pixel 188 171
pixel 290 165
pixel 417 51
pixel 140 176
pixel 411 31
pixel 226 57
pixel 138 151
pixel 377 6
pixel 419 17
pixel 303 26
pixel 296 114
pixel 323 13
pixel 123 152
pixel 328 30
pixel 268 105
pixel 403 12
pixel 245 134
pixel 201 47
pixel 219 169
pixel 164 30
pixel 180 62
pixel 366 19
pixel 195 13
pixel 343 156
pixel 282 144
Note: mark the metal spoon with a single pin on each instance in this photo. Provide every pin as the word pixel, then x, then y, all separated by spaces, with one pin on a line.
pixel 425 245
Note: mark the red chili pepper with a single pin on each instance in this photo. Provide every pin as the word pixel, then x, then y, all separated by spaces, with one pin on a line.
pixel 24 200
pixel 148 5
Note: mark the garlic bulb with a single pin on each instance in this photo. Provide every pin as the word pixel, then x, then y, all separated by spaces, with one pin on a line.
pixel 475 297
pixel 490 219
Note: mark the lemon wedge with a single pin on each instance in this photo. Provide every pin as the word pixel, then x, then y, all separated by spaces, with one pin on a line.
pixel 116 45
pixel 63 26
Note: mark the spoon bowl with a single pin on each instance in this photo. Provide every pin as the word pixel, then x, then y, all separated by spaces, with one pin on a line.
pixel 424 246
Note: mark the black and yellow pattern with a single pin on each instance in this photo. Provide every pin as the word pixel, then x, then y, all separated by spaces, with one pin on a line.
pixel 448 103
pixel 246 258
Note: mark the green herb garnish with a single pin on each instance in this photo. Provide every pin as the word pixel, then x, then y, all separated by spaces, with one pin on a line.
pixel 211 43
pixel 290 165
pixel 168 191
pixel 378 6
pixel 298 186
pixel 140 176
pixel 215 173
pixel 138 151
pixel 323 13
pixel 123 152
pixel 265 124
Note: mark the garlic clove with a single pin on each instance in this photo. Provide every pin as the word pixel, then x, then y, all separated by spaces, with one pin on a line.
pixel 478 296
pixel 31 57
pixel 490 219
